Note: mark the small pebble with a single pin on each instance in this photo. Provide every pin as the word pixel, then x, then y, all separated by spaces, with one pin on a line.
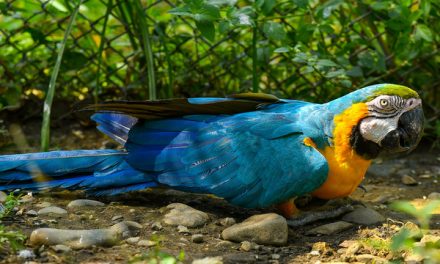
pixel 228 221
pixel 246 246
pixel 146 243
pixel 276 256
pixel 132 240
pixel 3 197
pixel 157 226
pixel 197 238
pixel 182 214
pixel 61 248
pixel 408 180
pixel 182 229
pixel 209 260
pixel 43 205
pixel 26 254
pixel 131 210
pixel 31 213
pixel 117 218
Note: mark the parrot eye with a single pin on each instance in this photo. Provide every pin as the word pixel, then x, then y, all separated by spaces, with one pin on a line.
pixel 383 102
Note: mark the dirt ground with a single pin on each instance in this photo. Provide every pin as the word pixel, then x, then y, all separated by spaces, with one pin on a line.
pixel 383 185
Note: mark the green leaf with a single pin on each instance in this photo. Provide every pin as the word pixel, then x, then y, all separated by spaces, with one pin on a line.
pixel 207 29
pixel 300 57
pixel 326 63
pixel 181 11
pixel 423 32
pixel 73 61
pixel 356 71
pixel 282 50
pixel 301 3
pixel 224 26
pixel 405 207
pixel 37 35
pixel 268 6
pixel 306 70
pixel 333 74
pixel 274 31
pixel 207 12
pixel 380 5
pixel 346 83
pixel 402 240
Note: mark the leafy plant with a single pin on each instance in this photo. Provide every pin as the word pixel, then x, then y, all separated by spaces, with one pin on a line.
pixel 14 239
pixel 407 239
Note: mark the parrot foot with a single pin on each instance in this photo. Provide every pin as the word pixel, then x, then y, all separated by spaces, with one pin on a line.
pixel 288 209
pixel 312 216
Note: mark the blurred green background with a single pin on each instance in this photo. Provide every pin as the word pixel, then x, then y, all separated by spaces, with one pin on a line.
pixel 137 49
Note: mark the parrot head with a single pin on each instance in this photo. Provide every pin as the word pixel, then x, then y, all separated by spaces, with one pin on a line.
pixel 392 123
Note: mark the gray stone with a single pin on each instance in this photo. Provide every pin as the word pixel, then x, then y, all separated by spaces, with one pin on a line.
pixel 225 244
pixel 181 214
pixel 408 180
pixel 31 213
pixel 264 229
pixel 75 204
pixel 157 226
pixel 364 216
pixel 368 258
pixel 382 170
pixel 61 248
pixel 209 260
pixel 52 210
pixel 197 238
pixel 78 239
pixel 329 229
pixel 434 196
pixel 3 197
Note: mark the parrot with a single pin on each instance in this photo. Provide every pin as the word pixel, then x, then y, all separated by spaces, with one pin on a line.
pixel 254 150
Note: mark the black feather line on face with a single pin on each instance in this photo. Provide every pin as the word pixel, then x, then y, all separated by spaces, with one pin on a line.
pixel 364 148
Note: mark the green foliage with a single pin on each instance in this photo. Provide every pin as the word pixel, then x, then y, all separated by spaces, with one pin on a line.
pixel 304 49
pixel 407 239
pixel 13 239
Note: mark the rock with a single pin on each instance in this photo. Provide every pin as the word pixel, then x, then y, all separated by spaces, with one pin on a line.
pixel 353 249
pixel 31 213
pixel 275 256
pixel 413 259
pixel 347 243
pixel 228 221
pixel 156 226
pixel 320 247
pixel 209 260
pixel 132 240
pixel 61 248
pixel 43 205
pixel 117 218
pixel 434 196
pixel 225 244
pixel 246 246
pixel 368 258
pixel 197 238
pixel 329 229
pixel 80 203
pixel 146 243
pixel 3 197
pixel 182 229
pixel 408 180
pixel 52 210
pixel 382 170
pixel 26 254
pixel 78 239
pixel 264 229
pixel 431 239
pixel 182 214
pixel 364 216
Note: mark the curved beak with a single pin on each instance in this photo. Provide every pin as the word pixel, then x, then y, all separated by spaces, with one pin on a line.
pixel 408 133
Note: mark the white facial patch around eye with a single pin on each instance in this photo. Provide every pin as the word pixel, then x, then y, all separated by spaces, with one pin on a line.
pixel 375 129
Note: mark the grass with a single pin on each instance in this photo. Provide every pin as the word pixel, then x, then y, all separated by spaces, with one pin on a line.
pixel 12 239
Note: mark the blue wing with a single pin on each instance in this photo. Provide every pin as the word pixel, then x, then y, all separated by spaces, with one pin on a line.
pixel 252 159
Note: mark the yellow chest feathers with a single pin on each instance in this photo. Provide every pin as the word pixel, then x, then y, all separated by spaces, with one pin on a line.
pixel 346 168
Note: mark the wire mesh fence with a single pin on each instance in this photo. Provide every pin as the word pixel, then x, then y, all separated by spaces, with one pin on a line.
pixel 313 50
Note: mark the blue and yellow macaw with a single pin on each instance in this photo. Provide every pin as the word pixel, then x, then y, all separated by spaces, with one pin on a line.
pixel 254 150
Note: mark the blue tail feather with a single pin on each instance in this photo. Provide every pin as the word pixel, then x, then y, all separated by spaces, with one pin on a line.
pixel 96 171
